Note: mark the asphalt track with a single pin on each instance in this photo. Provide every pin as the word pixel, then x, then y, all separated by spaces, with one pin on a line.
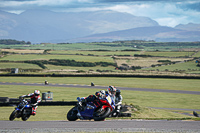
pixel 102 126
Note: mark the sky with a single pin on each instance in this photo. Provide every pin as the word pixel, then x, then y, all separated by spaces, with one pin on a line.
pixel 165 12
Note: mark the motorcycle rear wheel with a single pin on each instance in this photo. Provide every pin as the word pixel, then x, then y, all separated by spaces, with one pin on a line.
pixel 13 115
pixel 26 114
pixel 102 116
pixel 72 114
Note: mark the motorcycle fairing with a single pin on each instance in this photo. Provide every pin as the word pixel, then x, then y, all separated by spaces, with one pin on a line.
pixel 88 112
pixel 27 106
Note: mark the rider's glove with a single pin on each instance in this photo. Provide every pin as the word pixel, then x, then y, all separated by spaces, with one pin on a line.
pixel 33 105
pixel 82 102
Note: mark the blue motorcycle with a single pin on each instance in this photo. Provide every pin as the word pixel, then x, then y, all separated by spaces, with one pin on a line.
pixel 90 110
pixel 22 110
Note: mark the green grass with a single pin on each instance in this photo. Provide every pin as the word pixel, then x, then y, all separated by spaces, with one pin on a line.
pixel 54 67
pixel 197 54
pixel 147 99
pixel 143 99
pixel 164 100
pixel 74 46
pixel 19 65
pixel 146 62
pixel 139 98
pixel 153 83
pixel 185 67
pixel 170 54
pixel 44 113
pixel 99 53
pixel 20 57
pixel 47 113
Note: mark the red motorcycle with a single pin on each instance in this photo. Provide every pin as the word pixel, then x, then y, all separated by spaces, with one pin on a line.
pixel 97 110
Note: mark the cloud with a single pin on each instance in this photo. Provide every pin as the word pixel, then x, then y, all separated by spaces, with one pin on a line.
pixel 165 13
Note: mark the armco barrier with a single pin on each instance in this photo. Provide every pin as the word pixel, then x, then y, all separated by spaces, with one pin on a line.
pixel 53 103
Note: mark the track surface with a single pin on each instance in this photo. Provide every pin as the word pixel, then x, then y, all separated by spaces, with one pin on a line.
pixel 105 126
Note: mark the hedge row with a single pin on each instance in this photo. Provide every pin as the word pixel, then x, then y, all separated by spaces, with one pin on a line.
pixel 59 62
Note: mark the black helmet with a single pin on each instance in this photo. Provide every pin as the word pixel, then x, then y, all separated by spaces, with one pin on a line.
pixel 118 92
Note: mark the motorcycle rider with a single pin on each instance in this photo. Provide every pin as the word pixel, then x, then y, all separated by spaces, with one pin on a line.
pixel 92 98
pixel 111 91
pixel 96 99
pixel 118 103
pixel 46 82
pixel 35 99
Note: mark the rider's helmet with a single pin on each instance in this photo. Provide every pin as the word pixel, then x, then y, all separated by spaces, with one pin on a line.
pixel 118 92
pixel 111 90
pixel 37 92
pixel 97 94
pixel 101 94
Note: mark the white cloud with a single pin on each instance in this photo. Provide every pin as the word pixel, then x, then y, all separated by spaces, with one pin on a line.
pixel 166 14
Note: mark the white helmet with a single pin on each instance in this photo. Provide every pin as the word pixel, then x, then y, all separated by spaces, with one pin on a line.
pixel 111 90
pixel 37 92
pixel 103 93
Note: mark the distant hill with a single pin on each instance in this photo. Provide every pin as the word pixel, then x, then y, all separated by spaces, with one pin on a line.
pixel 47 26
pixel 39 26
pixel 188 27
pixel 157 33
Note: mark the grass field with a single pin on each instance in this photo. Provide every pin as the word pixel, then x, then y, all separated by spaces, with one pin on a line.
pixel 19 65
pixel 46 113
pixel 72 69
pixel 99 53
pixel 184 66
pixel 122 51
pixel 138 98
pixel 153 83
pixel 22 51
pixel 147 99
pixel 20 57
pixel 148 61
pixel 170 54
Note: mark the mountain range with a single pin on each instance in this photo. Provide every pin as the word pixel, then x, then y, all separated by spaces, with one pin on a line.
pixel 39 26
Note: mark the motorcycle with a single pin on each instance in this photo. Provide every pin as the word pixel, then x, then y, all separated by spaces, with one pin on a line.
pixel 91 110
pixel 46 82
pixel 22 110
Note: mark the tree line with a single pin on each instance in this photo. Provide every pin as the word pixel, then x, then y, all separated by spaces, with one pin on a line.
pixel 12 42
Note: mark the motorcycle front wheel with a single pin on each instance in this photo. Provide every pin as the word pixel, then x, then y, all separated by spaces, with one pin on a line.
pixel 72 114
pixel 102 115
pixel 13 115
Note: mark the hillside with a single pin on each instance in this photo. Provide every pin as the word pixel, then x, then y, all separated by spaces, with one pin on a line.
pixel 47 26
